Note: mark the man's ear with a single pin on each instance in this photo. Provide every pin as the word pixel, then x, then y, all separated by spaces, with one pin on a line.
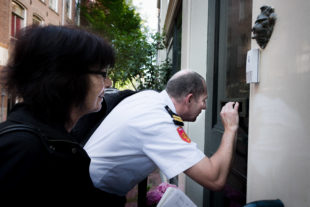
pixel 189 98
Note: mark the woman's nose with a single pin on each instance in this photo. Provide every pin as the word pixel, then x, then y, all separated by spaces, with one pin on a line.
pixel 107 82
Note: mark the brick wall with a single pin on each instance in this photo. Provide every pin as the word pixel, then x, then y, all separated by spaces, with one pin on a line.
pixel 50 16
pixel 4 23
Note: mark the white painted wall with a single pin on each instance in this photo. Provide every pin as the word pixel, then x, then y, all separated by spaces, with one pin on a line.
pixel 279 127
pixel 162 16
pixel 4 55
pixel 194 57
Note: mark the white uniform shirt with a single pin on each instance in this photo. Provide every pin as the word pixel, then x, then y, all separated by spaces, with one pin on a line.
pixel 134 139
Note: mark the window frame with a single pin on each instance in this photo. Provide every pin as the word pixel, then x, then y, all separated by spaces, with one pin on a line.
pixel 20 15
pixel 37 18
pixel 68 10
pixel 53 4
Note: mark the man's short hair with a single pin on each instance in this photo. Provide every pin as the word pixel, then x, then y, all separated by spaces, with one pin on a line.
pixel 185 82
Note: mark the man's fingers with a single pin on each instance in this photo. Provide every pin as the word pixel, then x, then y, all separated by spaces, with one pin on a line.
pixel 230 106
pixel 236 106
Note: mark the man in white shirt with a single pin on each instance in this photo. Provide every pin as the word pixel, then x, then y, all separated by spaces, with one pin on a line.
pixel 144 131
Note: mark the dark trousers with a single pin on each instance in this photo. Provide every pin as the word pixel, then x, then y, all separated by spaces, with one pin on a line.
pixel 111 200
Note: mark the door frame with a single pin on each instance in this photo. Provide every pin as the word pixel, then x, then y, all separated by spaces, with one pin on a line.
pixel 216 62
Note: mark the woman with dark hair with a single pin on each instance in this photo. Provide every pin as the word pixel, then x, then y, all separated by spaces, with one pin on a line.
pixel 59 74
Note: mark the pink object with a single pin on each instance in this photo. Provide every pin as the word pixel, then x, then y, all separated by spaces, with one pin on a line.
pixel 154 196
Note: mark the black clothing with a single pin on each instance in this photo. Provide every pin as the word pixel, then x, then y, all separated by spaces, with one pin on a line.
pixel 52 165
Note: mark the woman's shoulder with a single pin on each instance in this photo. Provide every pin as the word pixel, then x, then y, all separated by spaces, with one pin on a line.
pixel 19 138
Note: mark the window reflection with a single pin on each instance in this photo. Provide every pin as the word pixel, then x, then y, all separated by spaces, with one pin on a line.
pixel 239 16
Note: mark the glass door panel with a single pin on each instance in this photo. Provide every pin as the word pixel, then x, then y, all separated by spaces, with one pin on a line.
pixel 229 37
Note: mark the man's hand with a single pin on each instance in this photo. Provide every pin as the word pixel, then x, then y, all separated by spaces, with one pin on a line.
pixel 230 117
pixel 212 172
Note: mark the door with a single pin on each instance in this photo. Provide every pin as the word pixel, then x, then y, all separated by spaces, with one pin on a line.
pixel 229 38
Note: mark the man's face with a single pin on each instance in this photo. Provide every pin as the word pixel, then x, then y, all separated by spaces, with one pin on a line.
pixel 195 107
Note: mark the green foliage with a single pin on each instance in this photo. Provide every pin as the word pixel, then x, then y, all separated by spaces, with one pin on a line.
pixel 154 76
pixel 135 50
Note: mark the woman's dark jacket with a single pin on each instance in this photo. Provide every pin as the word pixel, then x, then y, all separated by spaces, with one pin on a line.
pixel 50 163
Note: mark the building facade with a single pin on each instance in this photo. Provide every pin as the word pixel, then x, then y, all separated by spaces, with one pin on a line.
pixel 213 37
pixel 16 14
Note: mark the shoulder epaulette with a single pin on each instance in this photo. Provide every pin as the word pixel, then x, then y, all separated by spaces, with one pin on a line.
pixel 177 120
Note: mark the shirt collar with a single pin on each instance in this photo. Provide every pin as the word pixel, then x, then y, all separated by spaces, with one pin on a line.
pixel 168 101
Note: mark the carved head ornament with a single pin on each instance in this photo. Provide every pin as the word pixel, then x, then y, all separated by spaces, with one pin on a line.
pixel 263 27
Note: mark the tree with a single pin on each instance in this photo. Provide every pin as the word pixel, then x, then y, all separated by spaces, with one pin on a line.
pixel 118 22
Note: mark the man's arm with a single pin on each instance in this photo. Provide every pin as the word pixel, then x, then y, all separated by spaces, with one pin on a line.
pixel 212 172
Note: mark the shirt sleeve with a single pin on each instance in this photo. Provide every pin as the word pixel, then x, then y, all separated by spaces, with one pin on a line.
pixel 170 149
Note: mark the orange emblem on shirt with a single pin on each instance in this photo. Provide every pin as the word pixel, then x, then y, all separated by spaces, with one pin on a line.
pixel 183 135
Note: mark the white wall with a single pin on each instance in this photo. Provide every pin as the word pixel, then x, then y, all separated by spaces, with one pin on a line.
pixel 194 57
pixel 279 127
pixel 3 56
pixel 162 15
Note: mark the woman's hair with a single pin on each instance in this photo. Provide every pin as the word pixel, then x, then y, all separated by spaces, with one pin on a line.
pixel 48 68
pixel 184 82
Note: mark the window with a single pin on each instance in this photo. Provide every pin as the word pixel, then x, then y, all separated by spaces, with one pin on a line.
pixel 174 51
pixel 53 4
pixel 18 18
pixel 68 5
pixel 36 20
